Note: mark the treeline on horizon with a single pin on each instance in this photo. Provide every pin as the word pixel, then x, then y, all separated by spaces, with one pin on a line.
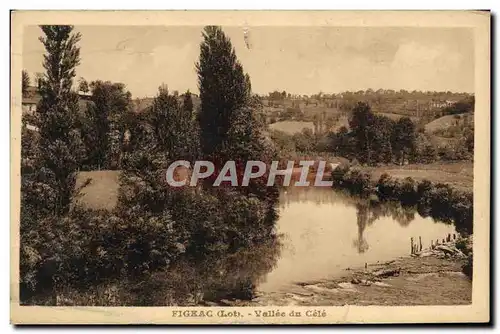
pixel 158 246
pixel 438 103
pixel 371 94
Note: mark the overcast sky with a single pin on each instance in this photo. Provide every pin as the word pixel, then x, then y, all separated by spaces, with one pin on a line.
pixel 299 60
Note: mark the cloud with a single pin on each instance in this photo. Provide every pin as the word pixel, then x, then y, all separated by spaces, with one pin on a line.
pixel 300 60
pixel 419 66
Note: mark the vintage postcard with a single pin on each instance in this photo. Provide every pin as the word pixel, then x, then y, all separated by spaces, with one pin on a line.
pixel 250 167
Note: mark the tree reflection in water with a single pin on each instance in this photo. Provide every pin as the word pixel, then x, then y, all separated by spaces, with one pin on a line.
pixel 237 275
pixel 368 210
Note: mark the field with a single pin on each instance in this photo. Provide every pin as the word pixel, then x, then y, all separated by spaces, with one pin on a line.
pixel 447 121
pixel 396 117
pixel 102 192
pixel 291 127
pixel 457 174
pixel 440 141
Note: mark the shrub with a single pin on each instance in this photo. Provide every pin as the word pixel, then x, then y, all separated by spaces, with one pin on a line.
pixel 462 210
pixel 87 247
pixel 338 175
pixel 388 188
pixel 408 191
pixel 423 188
pixel 468 267
pixel 357 182
pixel 441 198
pixel 463 246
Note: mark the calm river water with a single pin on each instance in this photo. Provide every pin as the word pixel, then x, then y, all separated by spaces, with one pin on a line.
pixel 325 232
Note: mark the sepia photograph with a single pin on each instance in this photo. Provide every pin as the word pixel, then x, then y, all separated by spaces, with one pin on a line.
pixel 250 167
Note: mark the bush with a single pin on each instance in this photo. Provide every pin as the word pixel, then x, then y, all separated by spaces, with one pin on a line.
pixel 440 201
pixel 338 175
pixel 388 188
pixel 463 246
pixel 462 210
pixel 357 182
pixel 408 191
pixel 423 188
pixel 468 267
pixel 88 247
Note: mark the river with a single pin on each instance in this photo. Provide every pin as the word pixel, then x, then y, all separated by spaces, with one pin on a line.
pixel 324 232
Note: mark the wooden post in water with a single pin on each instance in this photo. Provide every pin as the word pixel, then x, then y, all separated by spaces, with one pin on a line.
pixel 448 238
pixel 432 244
pixel 420 243
pixel 411 244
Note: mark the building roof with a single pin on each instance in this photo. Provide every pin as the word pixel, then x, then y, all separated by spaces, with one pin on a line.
pixel 32 96
pixel 31 100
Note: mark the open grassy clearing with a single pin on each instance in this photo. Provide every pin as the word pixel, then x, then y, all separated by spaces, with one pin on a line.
pixel 457 174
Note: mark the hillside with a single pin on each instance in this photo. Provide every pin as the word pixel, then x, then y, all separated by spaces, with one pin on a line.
pixel 291 127
pixel 448 121
pixel 396 117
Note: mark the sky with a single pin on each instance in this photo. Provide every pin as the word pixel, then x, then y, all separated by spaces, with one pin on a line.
pixel 299 60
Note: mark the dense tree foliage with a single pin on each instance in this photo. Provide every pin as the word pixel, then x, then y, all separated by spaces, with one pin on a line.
pixel 83 85
pixel 103 125
pixel 223 91
pixel 231 118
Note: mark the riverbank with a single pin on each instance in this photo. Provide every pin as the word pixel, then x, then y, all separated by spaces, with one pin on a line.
pixel 430 277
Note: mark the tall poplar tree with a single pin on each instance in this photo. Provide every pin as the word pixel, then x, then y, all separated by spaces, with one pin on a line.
pixel 361 124
pixel 61 148
pixel 223 91
pixel 230 119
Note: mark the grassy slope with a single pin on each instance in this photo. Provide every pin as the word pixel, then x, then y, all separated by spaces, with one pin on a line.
pixel 102 192
pixel 291 127
pixel 457 174
pixel 445 122
pixel 396 117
